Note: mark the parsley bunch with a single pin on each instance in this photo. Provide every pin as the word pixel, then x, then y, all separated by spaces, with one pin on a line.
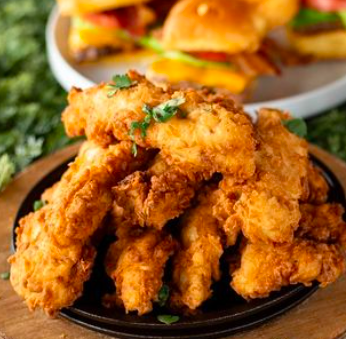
pixel 328 131
pixel 31 100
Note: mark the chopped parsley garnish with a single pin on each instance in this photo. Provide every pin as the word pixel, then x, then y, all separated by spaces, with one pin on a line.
pixel 120 82
pixel 163 295
pixel 5 275
pixel 38 204
pixel 296 126
pixel 168 319
pixel 160 114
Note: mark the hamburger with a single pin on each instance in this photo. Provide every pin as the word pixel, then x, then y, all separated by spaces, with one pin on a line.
pixel 215 43
pixel 319 29
pixel 102 27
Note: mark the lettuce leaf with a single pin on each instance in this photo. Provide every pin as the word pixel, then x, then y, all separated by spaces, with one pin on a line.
pixel 309 17
pixel 152 43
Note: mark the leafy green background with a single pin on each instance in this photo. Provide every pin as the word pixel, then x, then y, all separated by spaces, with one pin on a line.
pixel 31 100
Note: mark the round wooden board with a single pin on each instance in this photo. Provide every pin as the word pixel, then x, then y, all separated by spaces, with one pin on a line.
pixel 322 316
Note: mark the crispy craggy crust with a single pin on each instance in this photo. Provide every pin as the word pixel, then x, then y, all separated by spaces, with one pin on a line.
pixel 154 197
pixel 54 256
pixel 83 196
pixel 206 136
pixel 269 203
pixel 136 263
pixel 318 186
pixel 45 274
pixel 196 264
pixel 322 223
pixel 267 190
pixel 266 268
pixel 225 198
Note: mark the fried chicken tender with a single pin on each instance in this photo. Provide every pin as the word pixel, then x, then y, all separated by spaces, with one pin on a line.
pixel 136 263
pixel 154 197
pixel 196 264
pixel 323 223
pixel 269 204
pixel 318 186
pixel 204 136
pixel 54 255
pixel 83 196
pixel 268 267
pixel 225 198
pixel 43 273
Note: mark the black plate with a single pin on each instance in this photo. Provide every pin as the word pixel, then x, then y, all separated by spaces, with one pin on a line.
pixel 225 313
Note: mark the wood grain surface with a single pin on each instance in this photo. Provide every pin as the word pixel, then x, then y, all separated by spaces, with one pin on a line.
pixel 322 316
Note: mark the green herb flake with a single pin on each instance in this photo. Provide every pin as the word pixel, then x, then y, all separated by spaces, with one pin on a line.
pixel 166 110
pixel 38 204
pixel 168 319
pixel 134 149
pixel 120 82
pixel 5 275
pixel 163 295
pixel 161 113
pixel 296 126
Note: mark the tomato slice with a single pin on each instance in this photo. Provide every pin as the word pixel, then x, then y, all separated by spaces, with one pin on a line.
pixel 107 19
pixel 326 5
pixel 212 56
pixel 126 18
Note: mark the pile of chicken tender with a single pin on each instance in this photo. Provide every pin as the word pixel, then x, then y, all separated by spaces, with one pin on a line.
pixel 153 156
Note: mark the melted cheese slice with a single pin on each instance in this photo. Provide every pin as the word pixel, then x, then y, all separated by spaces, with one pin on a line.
pixel 71 7
pixel 176 71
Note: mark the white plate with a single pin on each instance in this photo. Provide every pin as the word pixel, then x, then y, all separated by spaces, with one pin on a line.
pixel 304 91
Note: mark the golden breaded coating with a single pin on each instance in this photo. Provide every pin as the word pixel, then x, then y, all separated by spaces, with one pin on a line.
pixel 225 198
pixel 265 268
pixel 322 223
pixel 204 136
pixel 196 264
pixel 318 186
pixel 266 217
pixel 54 256
pixel 154 197
pixel 48 194
pixel 268 206
pixel 83 196
pixel 43 273
pixel 136 263
pixel 282 157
